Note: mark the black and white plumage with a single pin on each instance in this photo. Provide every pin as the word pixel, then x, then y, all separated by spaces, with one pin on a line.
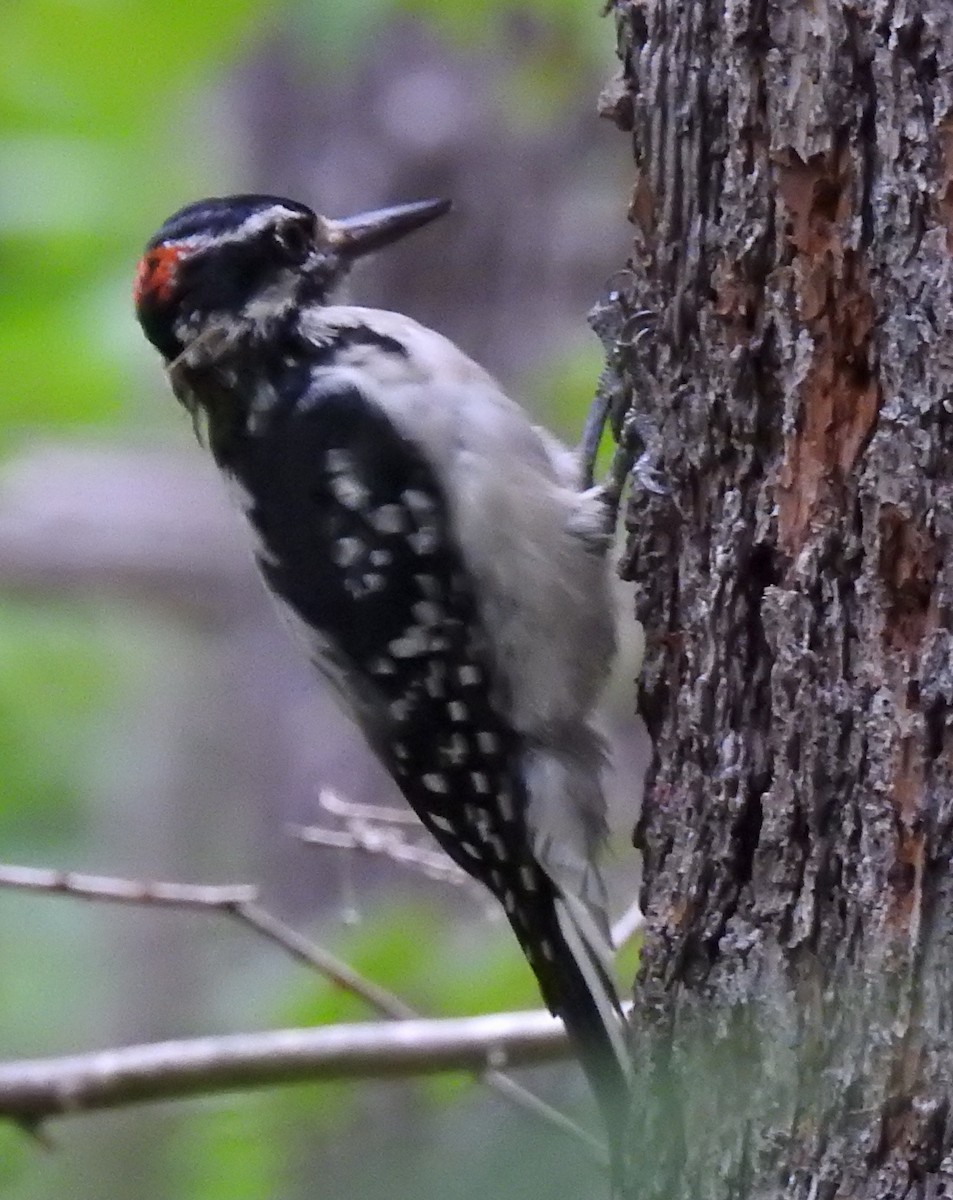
pixel 434 550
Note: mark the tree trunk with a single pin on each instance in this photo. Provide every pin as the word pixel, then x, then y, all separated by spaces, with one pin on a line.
pixel 794 222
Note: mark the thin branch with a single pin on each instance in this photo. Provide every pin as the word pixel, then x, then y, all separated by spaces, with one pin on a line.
pixel 235 900
pixel 240 902
pixel 34 1089
pixel 390 843
pixel 350 810
pixel 126 891
pixel 387 831
pixel 390 1005
pixel 376 830
pixel 507 1087
pixel 312 955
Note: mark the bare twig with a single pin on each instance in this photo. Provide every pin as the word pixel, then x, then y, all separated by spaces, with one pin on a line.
pixel 530 1102
pixel 240 902
pixel 386 831
pixel 235 900
pixel 34 1089
pixel 374 829
pixel 349 810
pixel 126 891
pixel 306 951
pixel 391 843
pixel 366 829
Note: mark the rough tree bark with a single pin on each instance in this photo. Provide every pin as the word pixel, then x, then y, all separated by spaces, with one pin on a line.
pixel 793 210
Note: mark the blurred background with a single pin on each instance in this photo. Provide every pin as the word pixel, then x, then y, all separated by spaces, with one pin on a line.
pixel 154 722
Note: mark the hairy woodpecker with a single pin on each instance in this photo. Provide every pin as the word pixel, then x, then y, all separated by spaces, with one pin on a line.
pixel 435 550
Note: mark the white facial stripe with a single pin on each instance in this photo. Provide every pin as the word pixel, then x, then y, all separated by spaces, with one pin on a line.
pixel 261 220
pixel 276 215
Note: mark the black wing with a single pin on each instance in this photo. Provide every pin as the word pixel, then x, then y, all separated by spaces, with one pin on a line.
pixel 355 538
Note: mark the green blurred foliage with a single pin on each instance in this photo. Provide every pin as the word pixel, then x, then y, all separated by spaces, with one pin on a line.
pixel 15 1155
pixel 421 957
pixel 54 676
pixel 556 37
pixel 90 92
pixel 563 389
pixel 233 1149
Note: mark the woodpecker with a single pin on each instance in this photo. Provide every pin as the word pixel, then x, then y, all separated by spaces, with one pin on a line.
pixel 434 550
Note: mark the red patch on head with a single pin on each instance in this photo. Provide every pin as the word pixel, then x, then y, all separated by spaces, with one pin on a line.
pixel 155 275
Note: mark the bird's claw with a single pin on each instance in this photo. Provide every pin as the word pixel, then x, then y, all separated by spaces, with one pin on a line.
pixel 646 474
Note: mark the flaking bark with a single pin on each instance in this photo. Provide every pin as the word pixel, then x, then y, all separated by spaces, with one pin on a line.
pixel 793 228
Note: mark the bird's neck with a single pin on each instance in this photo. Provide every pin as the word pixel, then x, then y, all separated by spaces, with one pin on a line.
pixel 236 382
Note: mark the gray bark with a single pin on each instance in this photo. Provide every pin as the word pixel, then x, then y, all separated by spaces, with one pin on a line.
pixel 794 225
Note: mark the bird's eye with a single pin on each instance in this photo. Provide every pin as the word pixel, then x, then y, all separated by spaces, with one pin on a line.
pixel 295 241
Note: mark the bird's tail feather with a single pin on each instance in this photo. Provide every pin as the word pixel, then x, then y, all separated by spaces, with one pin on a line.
pixel 565 814
pixel 595 1024
pixel 577 986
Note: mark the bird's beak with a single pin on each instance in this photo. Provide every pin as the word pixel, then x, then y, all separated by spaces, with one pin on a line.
pixel 353 237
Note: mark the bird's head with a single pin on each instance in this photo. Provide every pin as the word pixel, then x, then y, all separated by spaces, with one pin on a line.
pixel 238 264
